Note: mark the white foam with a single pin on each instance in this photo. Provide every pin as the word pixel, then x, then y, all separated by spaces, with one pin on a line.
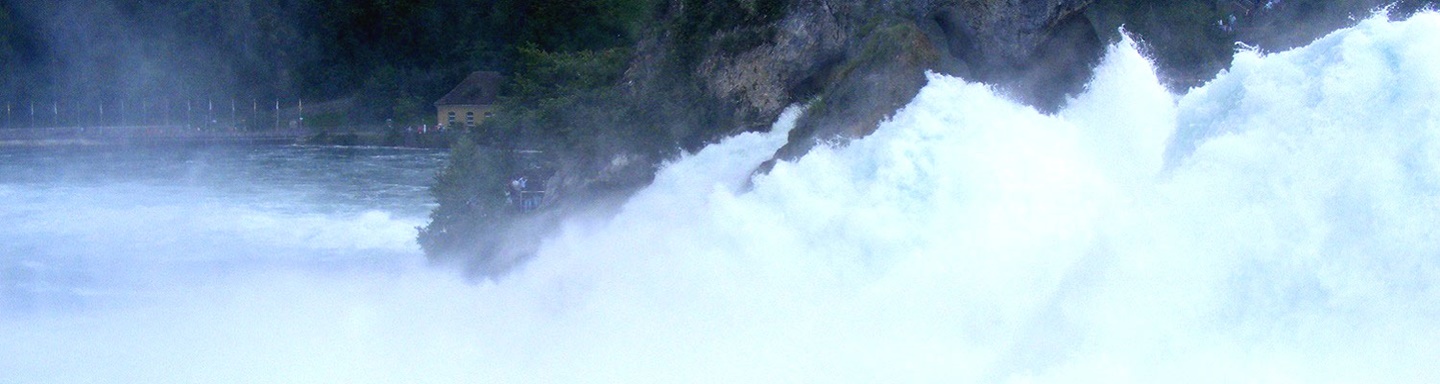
pixel 1285 234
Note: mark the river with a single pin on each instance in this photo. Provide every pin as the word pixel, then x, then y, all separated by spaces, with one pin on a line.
pixel 91 234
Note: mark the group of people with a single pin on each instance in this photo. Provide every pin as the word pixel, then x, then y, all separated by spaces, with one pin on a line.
pixel 425 128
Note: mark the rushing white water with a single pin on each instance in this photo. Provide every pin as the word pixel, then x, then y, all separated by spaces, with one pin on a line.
pixel 1275 225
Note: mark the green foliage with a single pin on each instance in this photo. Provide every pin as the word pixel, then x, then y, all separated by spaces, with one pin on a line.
pixel 563 96
pixel 885 42
pixel 571 103
pixel 8 51
pixel 394 56
pixel 736 25
pixel 326 120
pixel 575 25
pixel 549 77
pixel 705 17
pixel 22 70
pixel 412 110
pixel 379 92
pixel 471 194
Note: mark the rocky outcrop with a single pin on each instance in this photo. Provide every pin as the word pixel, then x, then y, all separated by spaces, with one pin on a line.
pixel 710 69
pixel 765 79
pixel 869 58
pixel 884 71
pixel 996 34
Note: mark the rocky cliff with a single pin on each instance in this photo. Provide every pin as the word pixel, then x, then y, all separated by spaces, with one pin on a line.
pixel 853 61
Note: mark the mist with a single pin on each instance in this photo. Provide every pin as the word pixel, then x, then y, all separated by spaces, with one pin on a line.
pixel 236 63
pixel 1274 225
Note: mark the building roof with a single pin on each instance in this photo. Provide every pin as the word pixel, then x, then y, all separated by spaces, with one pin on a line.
pixel 479 88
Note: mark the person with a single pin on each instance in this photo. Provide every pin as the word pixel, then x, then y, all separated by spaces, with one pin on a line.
pixel 513 197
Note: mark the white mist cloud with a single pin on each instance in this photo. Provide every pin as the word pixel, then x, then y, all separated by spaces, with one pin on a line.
pixel 1285 235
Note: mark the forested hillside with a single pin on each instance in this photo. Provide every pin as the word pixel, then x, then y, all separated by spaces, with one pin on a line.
pixel 394 57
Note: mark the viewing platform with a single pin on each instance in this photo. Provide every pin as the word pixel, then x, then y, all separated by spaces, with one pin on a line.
pixel 145 135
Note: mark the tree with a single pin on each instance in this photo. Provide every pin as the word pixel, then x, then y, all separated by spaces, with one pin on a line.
pixel 472 203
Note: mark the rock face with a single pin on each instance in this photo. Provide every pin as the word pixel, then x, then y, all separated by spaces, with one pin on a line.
pixel 858 61
pixel 885 70
pixel 709 69
pixel 1003 33
pixel 767 78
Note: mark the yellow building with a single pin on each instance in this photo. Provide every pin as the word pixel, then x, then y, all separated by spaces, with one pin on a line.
pixel 470 102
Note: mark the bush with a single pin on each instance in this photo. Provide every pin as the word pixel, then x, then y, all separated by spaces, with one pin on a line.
pixel 472 206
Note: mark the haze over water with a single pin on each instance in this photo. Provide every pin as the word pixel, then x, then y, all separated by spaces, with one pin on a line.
pixel 78 220
pixel 1275 225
